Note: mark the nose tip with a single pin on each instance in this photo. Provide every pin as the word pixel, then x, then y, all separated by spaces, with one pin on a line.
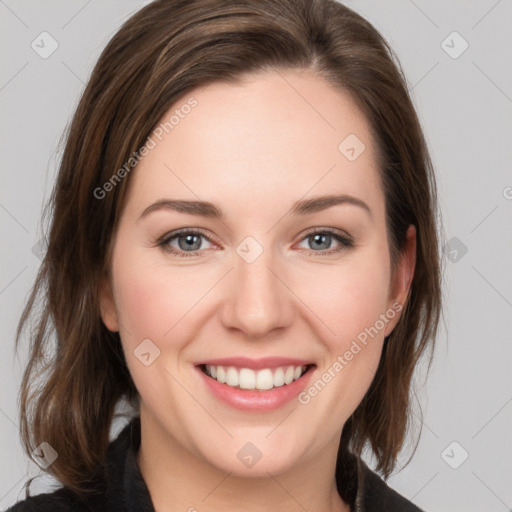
pixel 257 302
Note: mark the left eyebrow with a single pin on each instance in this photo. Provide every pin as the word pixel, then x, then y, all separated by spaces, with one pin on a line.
pixel 316 204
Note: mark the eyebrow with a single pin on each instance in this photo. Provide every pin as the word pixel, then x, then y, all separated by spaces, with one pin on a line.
pixel 302 207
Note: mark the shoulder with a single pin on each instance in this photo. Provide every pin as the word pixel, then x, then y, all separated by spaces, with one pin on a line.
pixel 364 489
pixel 375 494
pixel 58 501
pixel 118 482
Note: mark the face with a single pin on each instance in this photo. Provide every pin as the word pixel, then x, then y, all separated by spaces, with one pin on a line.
pixel 259 317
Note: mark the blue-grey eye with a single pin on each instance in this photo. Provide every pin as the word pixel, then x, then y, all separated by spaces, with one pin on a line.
pixel 321 241
pixel 184 242
pixel 189 242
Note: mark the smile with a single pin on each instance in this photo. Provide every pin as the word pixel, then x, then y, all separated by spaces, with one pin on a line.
pixel 263 379
pixel 255 384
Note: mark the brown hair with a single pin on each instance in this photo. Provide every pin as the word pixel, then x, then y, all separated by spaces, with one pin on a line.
pixel 76 373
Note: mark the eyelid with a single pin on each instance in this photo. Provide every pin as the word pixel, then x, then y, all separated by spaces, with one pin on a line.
pixel 184 231
pixel 333 231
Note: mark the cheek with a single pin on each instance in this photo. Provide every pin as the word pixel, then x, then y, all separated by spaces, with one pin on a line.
pixel 152 302
pixel 151 298
pixel 351 305
pixel 143 306
pixel 348 298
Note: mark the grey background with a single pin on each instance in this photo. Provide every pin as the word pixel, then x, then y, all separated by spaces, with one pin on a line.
pixel 465 106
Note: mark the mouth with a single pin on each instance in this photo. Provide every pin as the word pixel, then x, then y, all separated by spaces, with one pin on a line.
pixel 262 379
pixel 255 385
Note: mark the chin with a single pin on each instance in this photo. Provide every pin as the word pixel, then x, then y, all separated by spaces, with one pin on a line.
pixel 256 458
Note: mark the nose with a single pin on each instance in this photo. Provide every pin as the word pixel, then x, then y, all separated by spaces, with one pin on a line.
pixel 257 300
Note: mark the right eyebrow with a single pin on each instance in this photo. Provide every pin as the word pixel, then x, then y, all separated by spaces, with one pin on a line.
pixel 202 208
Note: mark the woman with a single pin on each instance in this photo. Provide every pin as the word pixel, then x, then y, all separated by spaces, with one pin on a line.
pixel 244 248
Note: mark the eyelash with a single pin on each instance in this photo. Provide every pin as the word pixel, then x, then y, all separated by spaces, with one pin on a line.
pixel 346 241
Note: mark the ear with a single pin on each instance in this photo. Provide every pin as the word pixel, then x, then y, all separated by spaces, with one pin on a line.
pixel 402 278
pixel 107 305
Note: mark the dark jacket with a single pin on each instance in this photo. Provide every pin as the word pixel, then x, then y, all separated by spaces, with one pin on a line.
pixel 122 488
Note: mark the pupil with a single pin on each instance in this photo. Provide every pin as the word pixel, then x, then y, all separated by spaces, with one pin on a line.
pixel 190 243
pixel 319 237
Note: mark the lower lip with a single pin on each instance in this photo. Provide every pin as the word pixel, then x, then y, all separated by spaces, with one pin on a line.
pixel 254 400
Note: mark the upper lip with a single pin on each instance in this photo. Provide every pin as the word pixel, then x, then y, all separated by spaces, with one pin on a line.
pixel 255 364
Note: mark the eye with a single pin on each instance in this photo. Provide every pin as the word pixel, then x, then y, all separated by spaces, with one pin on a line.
pixel 187 242
pixel 322 239
pixel 184 242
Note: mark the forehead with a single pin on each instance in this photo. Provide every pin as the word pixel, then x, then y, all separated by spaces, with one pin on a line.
pixel 274 136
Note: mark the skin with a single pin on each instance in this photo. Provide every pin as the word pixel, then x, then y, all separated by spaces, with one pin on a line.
pixel 253 149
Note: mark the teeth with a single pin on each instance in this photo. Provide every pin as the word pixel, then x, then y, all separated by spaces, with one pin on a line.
pixel 245 378
pixel 279 377
pixel 221 374
pixel 232 377
pixel 264 379
pixel 288 375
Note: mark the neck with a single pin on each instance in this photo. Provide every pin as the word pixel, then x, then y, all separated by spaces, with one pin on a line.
pixel 177 479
